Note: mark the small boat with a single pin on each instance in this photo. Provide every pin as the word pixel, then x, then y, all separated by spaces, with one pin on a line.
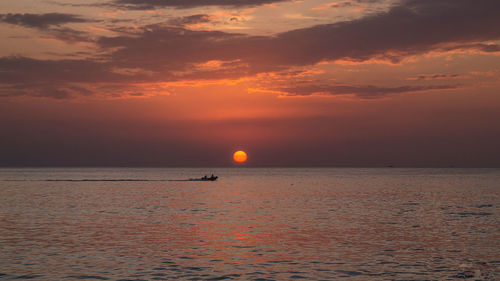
pixel 205 178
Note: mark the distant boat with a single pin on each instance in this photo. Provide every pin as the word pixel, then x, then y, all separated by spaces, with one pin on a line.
pixel 205 178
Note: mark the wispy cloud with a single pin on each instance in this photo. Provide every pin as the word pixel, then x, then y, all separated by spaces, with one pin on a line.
pixel 190 20
pixel 360 91
pixel 434 76
pixel 184 4
pixel 41 20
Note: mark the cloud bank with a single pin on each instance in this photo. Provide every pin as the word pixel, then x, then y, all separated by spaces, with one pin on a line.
pixel 40 20
pixel 159 53
pixel 413 27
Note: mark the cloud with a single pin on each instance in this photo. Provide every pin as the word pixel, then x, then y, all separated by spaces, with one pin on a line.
pixel 21 69
pixel 45 91
pixel 69 35
pixel 434 76
pixel 185 4
pixel 162 53
pixel 364 92
pixel 70 78
pixel 479 47
pixel 59 79
pixel 171 49
pixel 40 20
pixel 189 20
pixel 340 4
pixel 49 24
pixel 411 28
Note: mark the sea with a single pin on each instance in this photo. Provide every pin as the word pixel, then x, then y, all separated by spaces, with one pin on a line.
pixel 251 224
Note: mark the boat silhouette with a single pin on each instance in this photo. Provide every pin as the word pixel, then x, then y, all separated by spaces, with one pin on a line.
pixel 205 178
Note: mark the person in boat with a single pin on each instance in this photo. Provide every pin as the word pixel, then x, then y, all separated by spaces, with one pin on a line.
pixel 204 177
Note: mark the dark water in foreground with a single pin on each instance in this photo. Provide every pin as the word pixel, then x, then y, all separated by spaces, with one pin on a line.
pixel 252 224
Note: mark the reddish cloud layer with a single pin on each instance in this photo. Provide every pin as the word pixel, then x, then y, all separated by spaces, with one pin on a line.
pixel 159 53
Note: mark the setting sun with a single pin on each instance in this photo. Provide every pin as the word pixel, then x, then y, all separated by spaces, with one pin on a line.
pixel 240 156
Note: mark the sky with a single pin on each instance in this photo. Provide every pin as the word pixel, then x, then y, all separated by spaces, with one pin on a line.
pixel 349 83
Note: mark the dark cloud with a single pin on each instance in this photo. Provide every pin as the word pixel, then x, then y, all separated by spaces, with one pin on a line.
pixel 40 20
pixel 480 47
pixel 49 24
pixel 193 19
pixel 364 92
pixel 184 4
pixel 167 48
pixel 21 76
pixel 44 90
pixel 21 69
pixel 434 76
pixel 169 53
pixel 69 35
pixel 411 28
pixel 341 4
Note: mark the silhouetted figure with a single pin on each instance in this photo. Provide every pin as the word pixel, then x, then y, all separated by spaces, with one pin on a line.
pixel 206 178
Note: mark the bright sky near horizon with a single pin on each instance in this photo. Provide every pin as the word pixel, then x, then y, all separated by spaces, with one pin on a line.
pixel 294 83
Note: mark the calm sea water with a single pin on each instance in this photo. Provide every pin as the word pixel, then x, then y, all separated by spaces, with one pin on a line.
pixel 252 224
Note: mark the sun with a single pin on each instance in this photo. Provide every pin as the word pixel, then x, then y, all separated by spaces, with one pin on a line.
pixel 240 156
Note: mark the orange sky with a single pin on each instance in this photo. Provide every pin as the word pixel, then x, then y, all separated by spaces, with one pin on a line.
pixel 293 83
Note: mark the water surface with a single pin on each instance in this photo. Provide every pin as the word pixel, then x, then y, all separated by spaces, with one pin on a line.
pixel 252 224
